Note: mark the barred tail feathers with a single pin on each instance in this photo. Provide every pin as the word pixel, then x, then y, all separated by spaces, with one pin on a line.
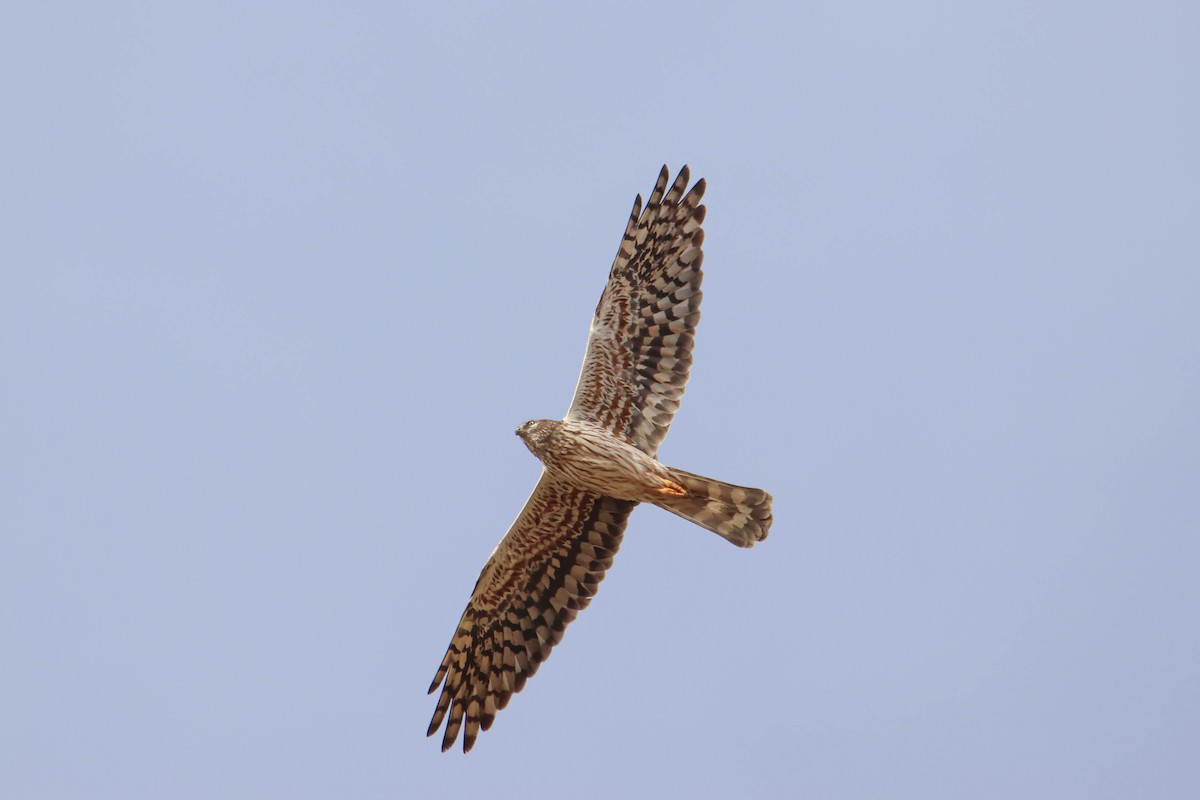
pixel 736 513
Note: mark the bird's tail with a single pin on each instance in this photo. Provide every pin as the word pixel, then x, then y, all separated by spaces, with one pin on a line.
pixel 736 513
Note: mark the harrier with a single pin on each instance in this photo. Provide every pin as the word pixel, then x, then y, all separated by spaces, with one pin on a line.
pixel 598 463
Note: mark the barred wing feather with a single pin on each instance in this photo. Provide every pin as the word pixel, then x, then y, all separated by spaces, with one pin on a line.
pixel 544 571
pixel 639 350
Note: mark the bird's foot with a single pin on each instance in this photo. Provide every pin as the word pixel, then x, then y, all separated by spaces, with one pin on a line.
pixel 670 489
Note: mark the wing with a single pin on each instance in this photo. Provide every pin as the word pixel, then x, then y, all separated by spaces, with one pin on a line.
pixel 639 352
pixel 544 571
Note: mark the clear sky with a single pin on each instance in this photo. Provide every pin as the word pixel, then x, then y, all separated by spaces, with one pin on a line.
pixel 279 280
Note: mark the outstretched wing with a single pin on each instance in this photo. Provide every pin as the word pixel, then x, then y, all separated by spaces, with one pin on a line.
pixel 544 571
pixel 639 352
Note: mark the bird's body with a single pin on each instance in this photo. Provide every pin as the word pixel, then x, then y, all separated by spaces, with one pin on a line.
pixel 600 461
pixel 586 455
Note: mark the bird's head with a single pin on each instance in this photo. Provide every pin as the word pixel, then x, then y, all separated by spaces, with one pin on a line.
pixel 535 432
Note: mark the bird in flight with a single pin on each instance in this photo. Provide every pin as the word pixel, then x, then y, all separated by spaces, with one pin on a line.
pixel 598 463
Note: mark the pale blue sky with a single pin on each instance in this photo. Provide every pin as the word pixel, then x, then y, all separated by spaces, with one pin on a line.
pixel 278 281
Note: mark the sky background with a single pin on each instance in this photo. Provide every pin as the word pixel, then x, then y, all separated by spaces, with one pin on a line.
pixel 279 280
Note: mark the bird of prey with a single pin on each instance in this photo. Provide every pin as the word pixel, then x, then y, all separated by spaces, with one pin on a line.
pixel 598 463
